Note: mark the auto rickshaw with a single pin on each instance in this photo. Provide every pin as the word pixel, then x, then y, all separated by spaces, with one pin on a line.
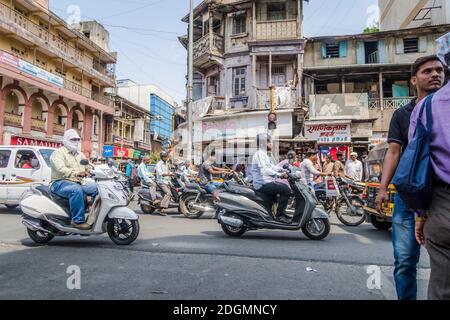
pixel 374 168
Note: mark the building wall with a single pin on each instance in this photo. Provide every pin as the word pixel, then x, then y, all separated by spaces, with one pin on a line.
pixel 400 14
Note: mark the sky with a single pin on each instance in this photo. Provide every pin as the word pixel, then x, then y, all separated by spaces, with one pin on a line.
pixel 144 32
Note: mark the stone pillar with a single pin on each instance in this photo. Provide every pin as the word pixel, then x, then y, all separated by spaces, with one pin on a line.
pixel 2 111
pixel 87 132
pixel 27 117
pixel 50 120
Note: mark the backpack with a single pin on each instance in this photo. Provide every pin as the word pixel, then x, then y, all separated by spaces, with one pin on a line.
pixel 413 178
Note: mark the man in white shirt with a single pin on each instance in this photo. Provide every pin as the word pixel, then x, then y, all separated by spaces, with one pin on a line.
pixel 354 168
pixel 265 173
pixel 309 172
pixel 163 179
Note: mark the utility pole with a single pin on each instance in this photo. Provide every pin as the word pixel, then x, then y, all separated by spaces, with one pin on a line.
pixel 190 80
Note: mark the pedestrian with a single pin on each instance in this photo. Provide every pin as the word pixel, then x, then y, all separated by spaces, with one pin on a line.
pixel 129 174
pixel 354 168
pixel 328 166
pixel 433 227
pixel 339 167
pixel 318 167
pixel 309 172
pixel 427 76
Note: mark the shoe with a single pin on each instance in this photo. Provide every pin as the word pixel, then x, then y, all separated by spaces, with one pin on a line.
pixel 162 213
pixel 81 226
pixel 284 219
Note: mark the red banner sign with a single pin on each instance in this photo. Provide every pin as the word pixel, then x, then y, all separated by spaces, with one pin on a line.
pixel 22 141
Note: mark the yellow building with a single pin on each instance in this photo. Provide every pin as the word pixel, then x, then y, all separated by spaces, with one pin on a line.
pixel 52 77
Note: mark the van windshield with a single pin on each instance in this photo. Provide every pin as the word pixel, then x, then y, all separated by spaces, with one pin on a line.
pixel 46 154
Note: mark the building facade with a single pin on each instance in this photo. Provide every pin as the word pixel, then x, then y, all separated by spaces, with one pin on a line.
pixel 52 78
pixel 127 132
pixel 360 80
pixel 243 52
pixel 405 14
pixel 159 103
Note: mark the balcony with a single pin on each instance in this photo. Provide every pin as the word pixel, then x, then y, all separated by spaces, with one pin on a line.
pixel 12 119
pixel 22 27
pixel 389 103
pixel 208 50
pixel 38 125
pixel 276 30
pixel 285 98
pixel 59 129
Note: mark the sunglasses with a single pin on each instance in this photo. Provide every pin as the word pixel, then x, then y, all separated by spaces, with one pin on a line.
pixel 75 140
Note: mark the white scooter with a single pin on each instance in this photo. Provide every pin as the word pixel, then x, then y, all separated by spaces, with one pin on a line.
pixel 45 215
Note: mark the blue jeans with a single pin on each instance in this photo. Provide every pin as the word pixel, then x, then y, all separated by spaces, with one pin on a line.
pixel 74 192
pixel 212 186
pixel 406 251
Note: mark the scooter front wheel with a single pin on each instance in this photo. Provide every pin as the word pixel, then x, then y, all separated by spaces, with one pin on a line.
pixel 317 229
pixel 123 232
pixel 39 236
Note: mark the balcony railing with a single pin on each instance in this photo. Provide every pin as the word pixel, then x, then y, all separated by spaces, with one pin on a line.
pixel 285 98
pixel 203 45
pixel 373 58
pixel 13 119
pixel 54 42
pixel 276 30
pixel 38 125
pixel 59 129
pixel 389 103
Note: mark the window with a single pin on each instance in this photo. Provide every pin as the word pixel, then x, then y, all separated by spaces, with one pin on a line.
pixel 239 24
pixel 332 50
pixel 411 45
pixel 4 158
pixel 24 160
pixel 239 75
pixel 276 11
pixel 46 154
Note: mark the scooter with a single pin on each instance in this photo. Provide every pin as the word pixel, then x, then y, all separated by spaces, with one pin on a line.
pixel 46 215
pixel 241 209
pixel 196 201
pixel 150 203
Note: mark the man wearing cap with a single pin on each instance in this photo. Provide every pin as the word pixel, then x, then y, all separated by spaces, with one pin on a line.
pixel 354 168
pixel 67 176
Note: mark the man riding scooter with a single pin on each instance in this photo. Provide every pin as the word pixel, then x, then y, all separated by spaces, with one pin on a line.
pixel 207 170
pixel 67 178
pixel 146 177
pixel 163 176
pixel 265 173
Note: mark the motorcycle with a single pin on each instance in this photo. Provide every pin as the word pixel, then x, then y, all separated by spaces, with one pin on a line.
pixel 241 209
pixel 46 215
pixel 349 206
pixel 196 201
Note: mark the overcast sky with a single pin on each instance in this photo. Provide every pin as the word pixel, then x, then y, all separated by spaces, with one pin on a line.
pixel 144 33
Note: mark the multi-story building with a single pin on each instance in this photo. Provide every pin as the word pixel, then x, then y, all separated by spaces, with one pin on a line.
pixel 361 80
pixel 127 133
pixel 405 14
pixel 160 104
pixel 241 50
pixel 52 77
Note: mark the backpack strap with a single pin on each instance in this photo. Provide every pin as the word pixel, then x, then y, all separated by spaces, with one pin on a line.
pixel 428 106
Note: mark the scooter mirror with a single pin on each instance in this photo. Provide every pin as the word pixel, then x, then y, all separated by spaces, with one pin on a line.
pixel 286 167
pixel 84 162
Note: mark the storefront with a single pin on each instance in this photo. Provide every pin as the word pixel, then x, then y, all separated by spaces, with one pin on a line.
pixel 24 140
pixel 332 137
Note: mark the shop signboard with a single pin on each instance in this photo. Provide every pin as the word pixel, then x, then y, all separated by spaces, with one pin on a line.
pixel 329 133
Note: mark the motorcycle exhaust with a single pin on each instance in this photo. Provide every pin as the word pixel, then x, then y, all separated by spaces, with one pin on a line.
pixel 202 208
pixel 34 226
pixel 233 222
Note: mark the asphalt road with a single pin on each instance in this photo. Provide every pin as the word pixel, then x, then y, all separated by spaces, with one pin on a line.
pixel 176 258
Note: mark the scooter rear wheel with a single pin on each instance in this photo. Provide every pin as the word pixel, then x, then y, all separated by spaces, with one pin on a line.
pixel 186 209
pixel 123 232
pixel 234 232
pixel 317 229
pixel 147 209
pixel 40 237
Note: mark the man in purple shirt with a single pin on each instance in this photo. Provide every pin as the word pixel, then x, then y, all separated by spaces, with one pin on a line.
pixel 433 228
pixel 427 76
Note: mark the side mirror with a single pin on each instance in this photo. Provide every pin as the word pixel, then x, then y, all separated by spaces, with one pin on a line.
pixel 286 167
pixel 35 163
pixel 84 162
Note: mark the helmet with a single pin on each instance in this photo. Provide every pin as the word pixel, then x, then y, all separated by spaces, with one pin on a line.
pixel 291 154
pixel 163 154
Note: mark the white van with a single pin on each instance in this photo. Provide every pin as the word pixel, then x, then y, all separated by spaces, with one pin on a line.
pixel 20 168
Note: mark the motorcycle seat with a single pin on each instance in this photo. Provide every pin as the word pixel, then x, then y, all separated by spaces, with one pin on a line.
pixel 62 202
pixel 195 186
pixel 249 193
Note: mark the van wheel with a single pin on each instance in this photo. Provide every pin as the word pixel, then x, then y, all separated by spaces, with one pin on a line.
pixel 382 225
pixel 39 236
pixel 11 206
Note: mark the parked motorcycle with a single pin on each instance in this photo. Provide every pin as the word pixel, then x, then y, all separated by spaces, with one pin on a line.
pixel 349 206
pixel 196 201
pixel 46 215
pixel 241 209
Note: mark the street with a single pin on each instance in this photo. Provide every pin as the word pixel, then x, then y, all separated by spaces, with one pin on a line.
pixel 176 258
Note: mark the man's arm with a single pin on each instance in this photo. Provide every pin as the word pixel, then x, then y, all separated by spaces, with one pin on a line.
pixel 390 164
